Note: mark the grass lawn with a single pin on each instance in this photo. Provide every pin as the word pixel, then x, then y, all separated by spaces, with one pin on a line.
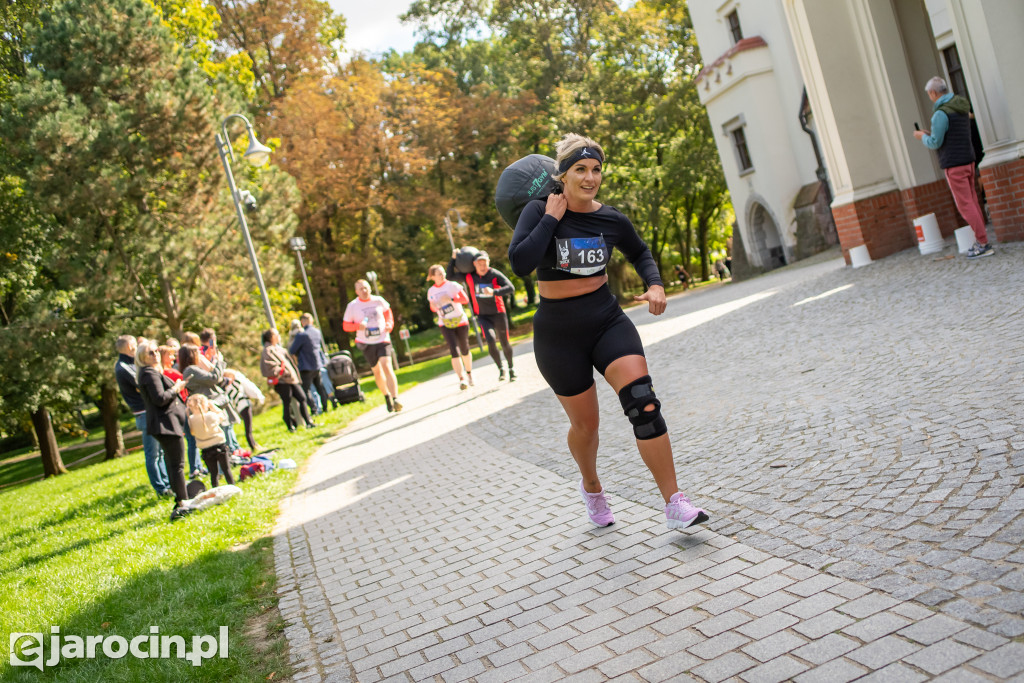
pixel 93 552
pixel 16 467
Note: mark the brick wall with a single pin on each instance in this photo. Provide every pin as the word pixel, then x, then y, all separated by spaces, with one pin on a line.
pixel 933 198
pixel 885 222
pixel 1004 192
pixel 880 222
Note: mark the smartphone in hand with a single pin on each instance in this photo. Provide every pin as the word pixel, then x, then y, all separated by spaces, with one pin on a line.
pixel 916 127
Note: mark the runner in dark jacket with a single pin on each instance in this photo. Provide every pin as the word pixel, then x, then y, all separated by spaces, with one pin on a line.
pixel 487 288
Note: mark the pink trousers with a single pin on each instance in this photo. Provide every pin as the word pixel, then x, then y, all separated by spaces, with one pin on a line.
pixel 961 184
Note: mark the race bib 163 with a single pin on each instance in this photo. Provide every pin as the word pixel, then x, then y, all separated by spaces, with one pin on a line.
pixel 581 255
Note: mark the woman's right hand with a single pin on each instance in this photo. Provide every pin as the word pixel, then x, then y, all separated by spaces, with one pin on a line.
pixel 556 205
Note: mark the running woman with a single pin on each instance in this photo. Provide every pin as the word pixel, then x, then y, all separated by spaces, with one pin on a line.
pixel 579 325
pixel 487 289
pixel 370 317
pixel 446 298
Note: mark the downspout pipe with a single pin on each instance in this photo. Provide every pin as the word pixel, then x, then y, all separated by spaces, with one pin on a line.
pixel 820 172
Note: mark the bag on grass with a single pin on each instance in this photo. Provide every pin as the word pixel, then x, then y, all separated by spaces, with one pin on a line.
pixel 214 496
pixel 250 470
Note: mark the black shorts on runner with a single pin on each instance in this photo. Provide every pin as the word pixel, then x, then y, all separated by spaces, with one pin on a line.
pixel 458 340
pixel 573 336
pixel 374 352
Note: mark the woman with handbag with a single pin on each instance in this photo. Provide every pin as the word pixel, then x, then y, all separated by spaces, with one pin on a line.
pixel 277 366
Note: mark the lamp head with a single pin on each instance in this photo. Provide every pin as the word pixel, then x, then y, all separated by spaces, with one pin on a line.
pixel 297 244
pixel 257 154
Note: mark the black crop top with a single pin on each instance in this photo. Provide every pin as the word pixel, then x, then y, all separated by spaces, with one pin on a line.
pixel 579 245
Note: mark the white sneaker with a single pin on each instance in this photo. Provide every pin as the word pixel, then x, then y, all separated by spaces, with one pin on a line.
pixel 462 384
pixel 469 378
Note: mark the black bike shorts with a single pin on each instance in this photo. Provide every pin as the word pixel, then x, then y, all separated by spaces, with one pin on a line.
pixel 458 340
pixel 374 352
pixel 573 336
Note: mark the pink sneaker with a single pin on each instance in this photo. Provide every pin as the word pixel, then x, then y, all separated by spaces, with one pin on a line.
pixel 680 512
pixel 597 507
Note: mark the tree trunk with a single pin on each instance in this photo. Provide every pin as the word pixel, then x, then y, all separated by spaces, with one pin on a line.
pixel 48 450
pixel 113 440
pixel 702 244
pixel 172 311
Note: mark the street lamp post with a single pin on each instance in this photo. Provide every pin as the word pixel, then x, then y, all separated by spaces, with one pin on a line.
pixel 298 245
pixel 257 154
pixel 372 277
pixel 460 225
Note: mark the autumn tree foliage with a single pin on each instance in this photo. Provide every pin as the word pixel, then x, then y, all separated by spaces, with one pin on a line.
pixel 379 158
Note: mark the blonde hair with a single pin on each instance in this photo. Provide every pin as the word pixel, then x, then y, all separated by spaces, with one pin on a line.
pixel 190 338
pixel 568 146
pixel 198 403
pixel 142 353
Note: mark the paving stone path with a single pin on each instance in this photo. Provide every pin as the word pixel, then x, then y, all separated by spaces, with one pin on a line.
pixel 858 436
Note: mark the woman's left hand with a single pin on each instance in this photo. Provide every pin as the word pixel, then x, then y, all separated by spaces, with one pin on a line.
pixel 655 298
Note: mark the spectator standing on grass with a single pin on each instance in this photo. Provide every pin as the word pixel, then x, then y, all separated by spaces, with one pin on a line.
pixel 370 317
pixel 950 137
pixel 207 423
pixel 126 375
pixel 165 418
pixel 307 348
pixel 487 289
pixel 279 369
pixel 204 377
pixel 313 400
pixel 168 365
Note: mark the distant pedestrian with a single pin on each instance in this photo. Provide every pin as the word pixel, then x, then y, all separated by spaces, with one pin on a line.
pixel 487 289
pixel 371 318
pixel 950 137
pixel 446 298
pixel 307 348
pixel 126 373
pixel 684 277
pixel 579 325
pixel 279 369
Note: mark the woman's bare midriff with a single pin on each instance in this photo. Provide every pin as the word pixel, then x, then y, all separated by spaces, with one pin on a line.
pixel 563 289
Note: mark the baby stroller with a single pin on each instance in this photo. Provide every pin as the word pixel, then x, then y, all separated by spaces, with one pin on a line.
pixel 341 370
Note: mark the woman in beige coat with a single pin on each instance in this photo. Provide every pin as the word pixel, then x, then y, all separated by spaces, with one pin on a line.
pixel 279 369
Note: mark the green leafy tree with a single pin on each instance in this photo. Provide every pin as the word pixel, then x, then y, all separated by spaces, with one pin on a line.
pixel 112 133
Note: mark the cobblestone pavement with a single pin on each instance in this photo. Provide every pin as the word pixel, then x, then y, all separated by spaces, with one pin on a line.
pixel 857 436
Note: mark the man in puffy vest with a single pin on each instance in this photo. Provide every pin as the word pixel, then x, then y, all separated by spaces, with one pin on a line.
pixel 950 137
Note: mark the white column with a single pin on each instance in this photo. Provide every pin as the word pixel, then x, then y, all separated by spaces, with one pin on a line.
pixel 990 40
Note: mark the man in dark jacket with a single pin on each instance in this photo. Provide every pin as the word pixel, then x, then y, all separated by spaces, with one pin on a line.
pixel 125 374
pixel 307 347
pixel 950 137
pixel 487 288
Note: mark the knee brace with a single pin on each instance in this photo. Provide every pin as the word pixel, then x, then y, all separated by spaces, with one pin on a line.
pixel 635 397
